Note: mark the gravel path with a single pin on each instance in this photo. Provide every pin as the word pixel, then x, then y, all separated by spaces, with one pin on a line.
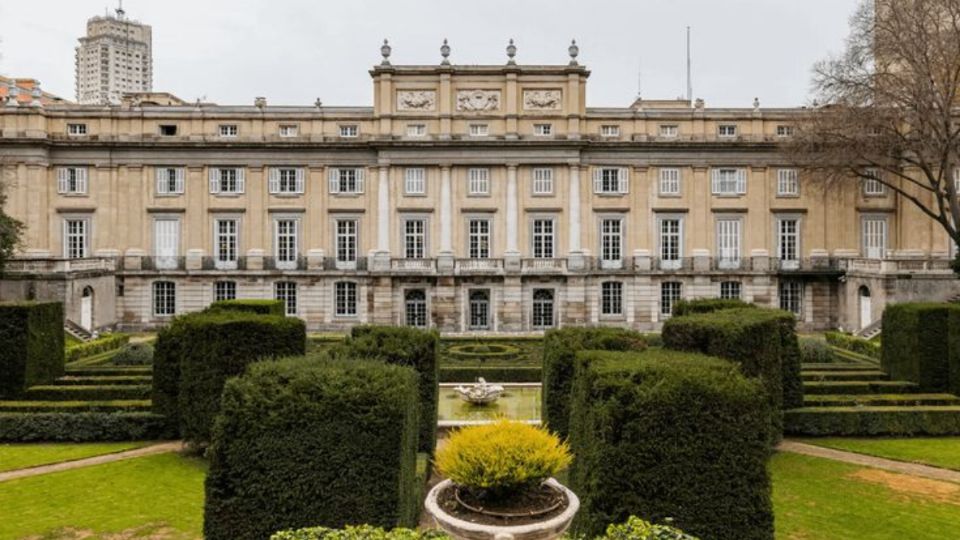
pixel 160 448
pixel 903 467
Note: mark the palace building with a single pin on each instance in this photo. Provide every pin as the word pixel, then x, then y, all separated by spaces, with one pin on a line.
pixel 466 198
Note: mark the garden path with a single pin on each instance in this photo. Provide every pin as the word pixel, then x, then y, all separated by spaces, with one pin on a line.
pixel 903 467
pixel 160 448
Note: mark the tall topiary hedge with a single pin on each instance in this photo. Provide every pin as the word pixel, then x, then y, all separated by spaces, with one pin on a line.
pixel 305 443
pixel 559 350
pixel 198 352
pixel 665 434
pixel 405 347
pixel 921 343
pixel 707 305
pixel 31 345
pixel 262 307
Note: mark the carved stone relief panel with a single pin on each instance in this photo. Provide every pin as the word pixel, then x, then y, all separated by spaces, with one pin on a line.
pixel 542 100
pixel 416 100
pixel 478 100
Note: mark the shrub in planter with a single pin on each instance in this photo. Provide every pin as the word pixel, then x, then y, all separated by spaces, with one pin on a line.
pixel 707 305
pixel 134 354
pixel 31 345
pixel 302 443
pixel 638 529
pixel 665 434
pixel 559 350
pixel 921 344
pixel 262 307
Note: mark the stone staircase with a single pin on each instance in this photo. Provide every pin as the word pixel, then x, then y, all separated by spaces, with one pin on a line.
pixel 76 330
pixel 871 331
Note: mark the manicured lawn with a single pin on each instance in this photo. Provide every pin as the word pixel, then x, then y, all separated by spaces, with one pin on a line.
pixel 20 456
pixel 818 499
pixel 164 492
pixel 936 451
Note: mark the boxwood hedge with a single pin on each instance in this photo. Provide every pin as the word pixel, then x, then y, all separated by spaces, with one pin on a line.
pixel 854 344
pixel 75 426
pixel 31 345
pixel 665 434
pixel 102 344
pixel 707 305
pixel 921 344
pixel 262 307
pixel 559 350
pixel 312 442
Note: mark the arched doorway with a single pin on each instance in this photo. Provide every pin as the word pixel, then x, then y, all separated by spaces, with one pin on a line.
pixel 866 307
pixel 86 309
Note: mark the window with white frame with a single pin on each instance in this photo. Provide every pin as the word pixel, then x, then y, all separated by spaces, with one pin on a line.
pixel 416 130
pixel 543 130
pixel 610 180
pixel 226 244
pixel 349 131
pixel 75 238
pixel 788 183
pixel 170 180
pixel 611 298
pixel 289 130
pixel 609 130
pixel 543 238
pixel 76 129
pixel 670 241
pixel 874 236
pixel 228 130
pixel 872 186
pixel 543 181
pixel 670 292
pixel 227 180
pixel 542 316
pixel 670 182
pixel 415 308
pixel 414 238
pixel 730 290
pixel 345 298
pixel 728 242
pixel 224 290
pixel 611 239
pixel 788 241
pixel 415 181
pixel 72 180
pixel 346 240
pixel 164 298
pixel 346 180
pixel 286 180
pixel 286 292
pixel 784 130
pixel 479 316
pixel 729 181
pixel 727 130
pixel 478 130
pixel 478 181
pixel 478 238
pixel 791 296
pixel 285 232
pixel 956 180
pixel 669 131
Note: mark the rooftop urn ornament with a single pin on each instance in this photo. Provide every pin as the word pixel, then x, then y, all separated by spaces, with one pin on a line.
pixel 445 53
pixel 511 52
pixel 480 393
pixel 36 94
pixel 318 103
pixel 13 94
pixel 385 50
pixel 756 104
pixel 574 51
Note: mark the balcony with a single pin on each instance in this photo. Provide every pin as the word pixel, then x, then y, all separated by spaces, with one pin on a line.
pixel 211 263
pixel 419 266
pixel 274 263
pixel 811 265
pixel 163 263
pixel 680 264
pixel 479 266
pixel 60 266
pixel 543 266
pixel 357 265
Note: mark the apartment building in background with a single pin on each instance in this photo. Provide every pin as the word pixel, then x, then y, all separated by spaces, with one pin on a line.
pixel 114 58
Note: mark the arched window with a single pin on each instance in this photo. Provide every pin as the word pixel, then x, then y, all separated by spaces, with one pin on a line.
pixel 543 308
pixel 480 310
pixel 416 308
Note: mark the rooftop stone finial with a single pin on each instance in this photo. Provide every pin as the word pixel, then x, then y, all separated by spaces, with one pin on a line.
pixel 318 103
pixel 574 51
pixel 511 52
pixel 756 104
pixel 13 94
pixel 36 94
pixel 445 53
pixel 385 50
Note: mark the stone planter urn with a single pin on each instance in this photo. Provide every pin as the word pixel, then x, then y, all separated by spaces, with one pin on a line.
pixel 546 529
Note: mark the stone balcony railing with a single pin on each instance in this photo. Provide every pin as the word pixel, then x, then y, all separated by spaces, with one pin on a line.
pixel 413 265
pixel 478 266
pixel 47 265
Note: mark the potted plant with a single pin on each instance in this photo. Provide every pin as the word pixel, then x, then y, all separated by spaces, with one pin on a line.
pixel 500 484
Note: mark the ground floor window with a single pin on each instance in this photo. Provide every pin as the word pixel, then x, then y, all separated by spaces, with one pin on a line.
pixel 480 310
pixel 611 298
pixel 730 290
pixel 791 297
pixel 670 292
pixel 286 291
pixel 224 290
pixel 415 305
pixel 345 298
pixel 543 308
pixel 164 298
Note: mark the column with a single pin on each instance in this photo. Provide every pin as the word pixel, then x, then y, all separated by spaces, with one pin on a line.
pixel 445 258
pixel 512 255
pixel 381 258
pixel 575 258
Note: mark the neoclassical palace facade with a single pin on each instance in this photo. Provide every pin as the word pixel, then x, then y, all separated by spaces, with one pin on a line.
pixel 467 198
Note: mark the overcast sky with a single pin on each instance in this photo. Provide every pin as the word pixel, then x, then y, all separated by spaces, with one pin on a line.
pixel 293 51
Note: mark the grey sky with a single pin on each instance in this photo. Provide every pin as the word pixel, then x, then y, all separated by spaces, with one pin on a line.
pixel 293 51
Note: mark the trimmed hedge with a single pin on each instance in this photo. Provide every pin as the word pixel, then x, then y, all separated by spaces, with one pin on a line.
pixel 198 352
pixel 260 307
pixel 855 344
pixel 665 434
pixel 560 347
pixel 921 344
pixel 102 344
pixel 31 345
pixel 707 305
pixel 906 421
pixel 403 346
pixel 82 426
pixel 520 374
pixel 303 443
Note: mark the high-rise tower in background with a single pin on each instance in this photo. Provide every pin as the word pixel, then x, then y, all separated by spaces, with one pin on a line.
pixel 114 58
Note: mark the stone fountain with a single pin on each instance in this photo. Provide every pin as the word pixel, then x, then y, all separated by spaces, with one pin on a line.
pixel 480 393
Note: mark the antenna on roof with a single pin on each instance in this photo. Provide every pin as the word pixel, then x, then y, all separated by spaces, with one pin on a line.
pixel 639 78
pixel 689 75
pixel 120 11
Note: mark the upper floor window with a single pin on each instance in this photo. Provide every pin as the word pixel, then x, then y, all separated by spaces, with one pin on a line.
pixel 349 131
pixel 285 236
pixel 229 130
pixel 346 180
pixel 610 180
pixel 286 180
pixel 727 130
pixel 610 130
pixel 784 131
pixel 543 130
pixel 170 180
pixel 788 183
pixel 289 130
pixel 76 129
pixel 226 242
pixel 669 131
pixel 416 130
pixel 415 181
pixel 543 181
pixel 669 182
pixel 75 238
pixel 479 130
pixel 872 186
pixel 543 240
pixel 478 181
pixel 729 181
pixel 228 180
pixel 72 180
pixel 347 234
pixel 414 238
pixel 478 238
pixel 167 130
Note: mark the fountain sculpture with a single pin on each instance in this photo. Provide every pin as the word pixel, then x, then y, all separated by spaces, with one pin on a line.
pixel 480 393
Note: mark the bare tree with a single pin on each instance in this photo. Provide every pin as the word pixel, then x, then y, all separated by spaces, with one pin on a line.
pixel 887 108
pixel 11 230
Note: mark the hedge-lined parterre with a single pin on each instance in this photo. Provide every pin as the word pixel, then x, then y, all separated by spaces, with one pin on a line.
pixel 82 426
pixel 102 344
pixel 32 351
pixel 250 305
pixel 854 344
pixel 921 344
pixel 707 305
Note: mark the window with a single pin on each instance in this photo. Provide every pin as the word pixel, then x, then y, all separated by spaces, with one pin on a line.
pixel 872 186
pixel 788 183
pixel 168 130
pixel 414 238
pixel 730 290
pixel 289 130
pixel 415 308
pixel 542 316
pixel 729 181
pixel 543 238
pixel 229 180
pixel 286 180
pixel 609 130
pixel 669 295
pixel 727 130
pixel 345 298
pixel 784 131
pixel 479 310
pixel 611 240
pixel 416 130
pixel 669 131
pixel 226 242
pixel 164 298
pixel 285 243
pixel 346 181
pixel 543 130
pixel 728 243
pixel 76 129
pixel 671 242
pixel 478 181
pixel 170 180
pixel 72 180
pixel 346 240
pixel 286 291
pixel 75 238
pixel 478 233
pixel 669 182
pixel 611 298
pixel 543 181
pixel 956 180
pixel 874 237
pixel 478 130
pixel 415 181
pixel 791 296
pixel 166 242
pixel 349 131
pixel 229 130
pixel 224 290
pixel 788 242
pixel 610 180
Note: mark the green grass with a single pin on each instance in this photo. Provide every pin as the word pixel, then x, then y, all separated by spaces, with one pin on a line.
pixel 818 499
pixel 20 456
pixel 161 489
pixel 936 451
pixel 69 340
